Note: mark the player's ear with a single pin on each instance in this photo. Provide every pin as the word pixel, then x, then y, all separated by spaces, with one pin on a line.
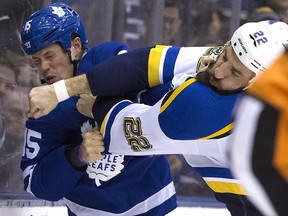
pixel 76 43
pixel 76 48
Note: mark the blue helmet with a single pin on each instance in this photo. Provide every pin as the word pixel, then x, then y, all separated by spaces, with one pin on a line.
pixel 55 23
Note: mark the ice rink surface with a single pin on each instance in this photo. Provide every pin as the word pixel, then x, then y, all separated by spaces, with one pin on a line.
pixel 62 211
pixel 14 205
pixel 201 211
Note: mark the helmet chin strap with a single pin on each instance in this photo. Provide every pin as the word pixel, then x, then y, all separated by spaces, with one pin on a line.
pixel 74 62
pixel 75 65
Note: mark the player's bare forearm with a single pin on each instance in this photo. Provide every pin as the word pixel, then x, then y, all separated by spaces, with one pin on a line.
pixel 77 85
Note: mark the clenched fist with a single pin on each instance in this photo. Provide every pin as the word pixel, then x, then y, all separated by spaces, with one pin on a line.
pixel 85 104
pixel 92 146
pixel 205 61
pixel 43 99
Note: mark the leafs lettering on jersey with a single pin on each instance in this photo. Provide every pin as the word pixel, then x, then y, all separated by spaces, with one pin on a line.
pixel 107 168
pixel 103 170
pixel 133 134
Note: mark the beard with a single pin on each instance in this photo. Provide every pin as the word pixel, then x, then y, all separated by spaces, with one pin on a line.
pixel 204 78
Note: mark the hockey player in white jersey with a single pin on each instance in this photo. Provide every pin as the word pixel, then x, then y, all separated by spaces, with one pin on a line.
pixel 212 164
pixel 115 185
pixel 192 119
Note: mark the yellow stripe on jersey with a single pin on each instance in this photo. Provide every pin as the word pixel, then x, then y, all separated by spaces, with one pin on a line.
pixel 175 93
pixel 226 187
pixel 154 65
pixel 104 123
pixel 218 133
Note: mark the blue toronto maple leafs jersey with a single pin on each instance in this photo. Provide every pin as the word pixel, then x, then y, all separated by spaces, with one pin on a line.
pixel 115 185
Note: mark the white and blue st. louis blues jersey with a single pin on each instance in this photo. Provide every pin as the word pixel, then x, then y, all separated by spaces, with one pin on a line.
pixel 179 128
pixel 115 185
pixel 214 168
pixel 192 120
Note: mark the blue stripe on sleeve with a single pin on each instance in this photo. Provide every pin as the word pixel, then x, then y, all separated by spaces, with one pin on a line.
pixel 111 118
pixel 214 172
pixel 169 63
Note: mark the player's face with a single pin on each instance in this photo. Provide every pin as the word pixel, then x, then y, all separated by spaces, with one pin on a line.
pixel 227 73
pixel 53 63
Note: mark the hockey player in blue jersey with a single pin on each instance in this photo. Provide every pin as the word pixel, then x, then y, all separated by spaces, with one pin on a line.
pixel 114 185
pixel 177 60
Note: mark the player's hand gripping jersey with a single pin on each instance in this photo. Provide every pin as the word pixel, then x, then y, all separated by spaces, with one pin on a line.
pixel 115 185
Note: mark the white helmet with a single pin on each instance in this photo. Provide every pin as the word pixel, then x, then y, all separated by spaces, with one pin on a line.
pixel 258 44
